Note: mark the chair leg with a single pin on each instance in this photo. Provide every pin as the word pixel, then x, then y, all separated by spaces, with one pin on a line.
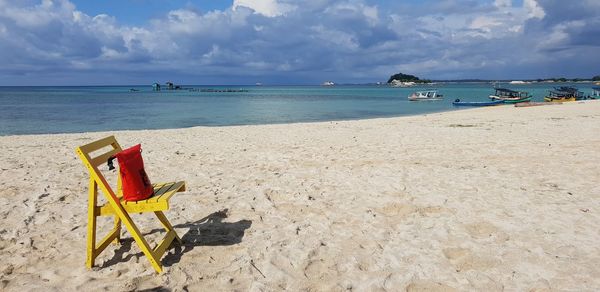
pixel 167 225
pixel 139 238
pixel 91 228
pixel 117 229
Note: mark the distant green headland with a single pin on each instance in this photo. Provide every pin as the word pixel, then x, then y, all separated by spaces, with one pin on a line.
pixel 400 77
pixel 403 78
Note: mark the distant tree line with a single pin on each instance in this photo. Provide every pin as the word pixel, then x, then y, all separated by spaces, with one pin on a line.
pixel 562 79
pixel 411 78
pixel 407 78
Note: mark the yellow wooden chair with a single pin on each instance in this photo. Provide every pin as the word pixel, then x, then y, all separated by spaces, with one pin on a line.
pixel 121 209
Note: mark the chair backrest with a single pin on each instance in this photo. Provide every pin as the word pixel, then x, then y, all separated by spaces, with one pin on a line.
pixel 85 152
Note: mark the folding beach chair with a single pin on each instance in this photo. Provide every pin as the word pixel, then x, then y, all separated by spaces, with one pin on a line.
pixel 121 209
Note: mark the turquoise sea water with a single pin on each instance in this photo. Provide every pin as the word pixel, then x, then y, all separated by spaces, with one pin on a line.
pixel 38 110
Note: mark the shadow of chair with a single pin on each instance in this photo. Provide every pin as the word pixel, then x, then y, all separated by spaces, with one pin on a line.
pixel 208 231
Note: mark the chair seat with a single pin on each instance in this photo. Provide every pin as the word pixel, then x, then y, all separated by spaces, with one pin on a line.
pixel 159 201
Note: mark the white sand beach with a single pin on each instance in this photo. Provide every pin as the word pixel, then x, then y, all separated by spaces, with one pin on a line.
pixel 485 199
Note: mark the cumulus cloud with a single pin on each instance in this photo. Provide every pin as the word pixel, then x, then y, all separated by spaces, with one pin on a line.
pixel 280 41
pixel 503 3
pixel 534 10
pixel 270 8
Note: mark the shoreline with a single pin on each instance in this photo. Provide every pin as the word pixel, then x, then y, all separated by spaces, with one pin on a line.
pixel 488 199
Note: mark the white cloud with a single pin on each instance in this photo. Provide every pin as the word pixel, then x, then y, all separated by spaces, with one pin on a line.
pixel 268 38
pixel 503 3
pixel 559 36
pixel 352 9
pixel 534 10
pixel 504 21
pixel 270 8
pixel 340 39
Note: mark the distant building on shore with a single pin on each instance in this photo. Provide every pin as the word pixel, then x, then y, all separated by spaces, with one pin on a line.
pixel 518 82
pixel 398 83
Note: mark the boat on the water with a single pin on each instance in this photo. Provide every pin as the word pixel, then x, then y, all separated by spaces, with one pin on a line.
pixel 425 95
pixel 563 94
pixel 595 93
pixel 457 102
pixel 510 96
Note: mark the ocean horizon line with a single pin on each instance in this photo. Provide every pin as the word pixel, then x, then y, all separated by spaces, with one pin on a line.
pixel 474 81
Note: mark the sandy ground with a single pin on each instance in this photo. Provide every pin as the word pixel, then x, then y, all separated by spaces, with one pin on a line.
pixel 487 199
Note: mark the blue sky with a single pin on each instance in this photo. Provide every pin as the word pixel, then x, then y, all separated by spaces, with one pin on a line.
pixel 138 12
pixel 81 42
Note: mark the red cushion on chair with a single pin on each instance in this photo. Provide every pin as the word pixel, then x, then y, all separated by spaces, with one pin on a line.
pixel 135 181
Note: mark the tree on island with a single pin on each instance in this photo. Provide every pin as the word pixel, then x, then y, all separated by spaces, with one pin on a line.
pixel 406 78
pixel 596 78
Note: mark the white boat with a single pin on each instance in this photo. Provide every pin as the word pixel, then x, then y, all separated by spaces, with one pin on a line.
pixel 425 95
pixel 328 83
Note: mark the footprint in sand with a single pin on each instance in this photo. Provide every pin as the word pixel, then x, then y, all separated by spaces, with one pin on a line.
pixel 464 260
pixel 283 264
pixel 276 195
pixel 479 281
pixel 318 267
pixel 428 286
pixel 397 210
pixel 432 211
pixel 9 191
pixel 483 230
pixel 542 285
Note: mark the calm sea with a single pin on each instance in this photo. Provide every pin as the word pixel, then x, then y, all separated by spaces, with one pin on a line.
pixel 36 110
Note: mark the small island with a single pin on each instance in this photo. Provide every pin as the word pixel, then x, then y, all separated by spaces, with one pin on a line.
pixel 405 80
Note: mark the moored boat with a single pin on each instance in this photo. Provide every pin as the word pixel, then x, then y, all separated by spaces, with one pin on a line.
pixel 595 92
pixel 425 95
pixel 563 94
pixel 510 96
pixel 457 102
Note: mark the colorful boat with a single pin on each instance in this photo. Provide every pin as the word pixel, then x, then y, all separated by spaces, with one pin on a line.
pixel 425 95
pixel 564 93
pixel 457 102
pixel 510 96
